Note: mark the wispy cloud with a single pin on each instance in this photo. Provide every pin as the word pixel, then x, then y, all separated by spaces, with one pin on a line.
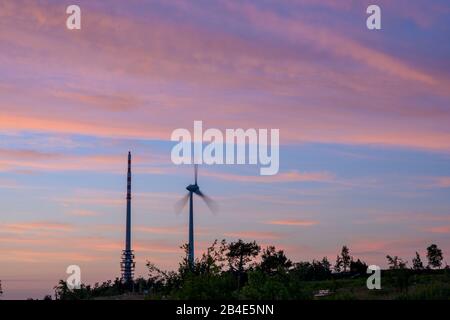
pixel 160 230
pixel 301 223
pixel 440 229
pixel 109 102
pixel 220 61
pixel 283 177
pixel 42 256
pixel 37 226
pixel 252 235
pixel 441 182
pixel 84 213
pixel 72 104
pixel 35 160
pixel 332 42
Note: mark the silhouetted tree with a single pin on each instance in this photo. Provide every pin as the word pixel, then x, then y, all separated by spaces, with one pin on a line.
pixel 417 262
pixel 320 270
pixel 261 285
pixel 205 279
pixel 1 290
pixel 396 263
pixel 61 290
pixel 230 271
pixel 303 271
pixel 338 264
pixel 343 260
pixel 358 267
pixel 163 281
pixel 213 260
pixel 273 261
pixel 239 255
pixel 307 271
pixel 434 255
pixel 326 264
pixel 346 258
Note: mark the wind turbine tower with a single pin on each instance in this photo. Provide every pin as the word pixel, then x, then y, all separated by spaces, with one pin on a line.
pixel 127 265
pixel 194 189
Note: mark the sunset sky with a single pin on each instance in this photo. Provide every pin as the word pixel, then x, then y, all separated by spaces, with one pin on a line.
pixel 364 119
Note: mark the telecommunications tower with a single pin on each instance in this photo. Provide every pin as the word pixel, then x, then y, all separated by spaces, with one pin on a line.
pixel 127 264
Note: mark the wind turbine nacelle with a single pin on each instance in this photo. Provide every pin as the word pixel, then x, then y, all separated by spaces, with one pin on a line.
pixel 192 188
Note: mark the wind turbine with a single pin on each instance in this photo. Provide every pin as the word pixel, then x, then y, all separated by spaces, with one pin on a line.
pixel 194 188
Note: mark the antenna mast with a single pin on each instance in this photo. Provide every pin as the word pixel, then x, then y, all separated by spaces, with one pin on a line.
pixel 127 265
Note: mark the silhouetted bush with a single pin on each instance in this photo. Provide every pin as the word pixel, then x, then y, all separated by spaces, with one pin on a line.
pixel 236 270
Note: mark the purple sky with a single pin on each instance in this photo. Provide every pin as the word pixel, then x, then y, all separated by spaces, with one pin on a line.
pixel 363 116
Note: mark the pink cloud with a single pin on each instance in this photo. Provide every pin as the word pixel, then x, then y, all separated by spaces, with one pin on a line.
pixel 284 177
pixel 219 61
pixel 160 230
pixel 109 102
pixel 42 256
pixel 37 226
pixel 70 125
pixel 303 223
pixel 252 235
pixel 441 229
pixel 84 213
pixel 442 182
pixel 32 160
pixel 332 42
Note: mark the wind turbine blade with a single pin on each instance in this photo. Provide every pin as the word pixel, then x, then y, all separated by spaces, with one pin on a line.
pixel 196 173
pixel 180 204
pixel 212 205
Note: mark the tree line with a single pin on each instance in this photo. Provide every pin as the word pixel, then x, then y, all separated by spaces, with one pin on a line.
pixel 243 270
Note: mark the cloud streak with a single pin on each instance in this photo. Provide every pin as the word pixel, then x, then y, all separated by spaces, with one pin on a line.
pixel 221 62
pixel 299 223
pixel 284 177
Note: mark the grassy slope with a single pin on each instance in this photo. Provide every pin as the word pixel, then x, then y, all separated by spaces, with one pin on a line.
pixel 420 287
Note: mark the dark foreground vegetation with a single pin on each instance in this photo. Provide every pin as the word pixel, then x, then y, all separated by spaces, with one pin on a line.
pixel 241 270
